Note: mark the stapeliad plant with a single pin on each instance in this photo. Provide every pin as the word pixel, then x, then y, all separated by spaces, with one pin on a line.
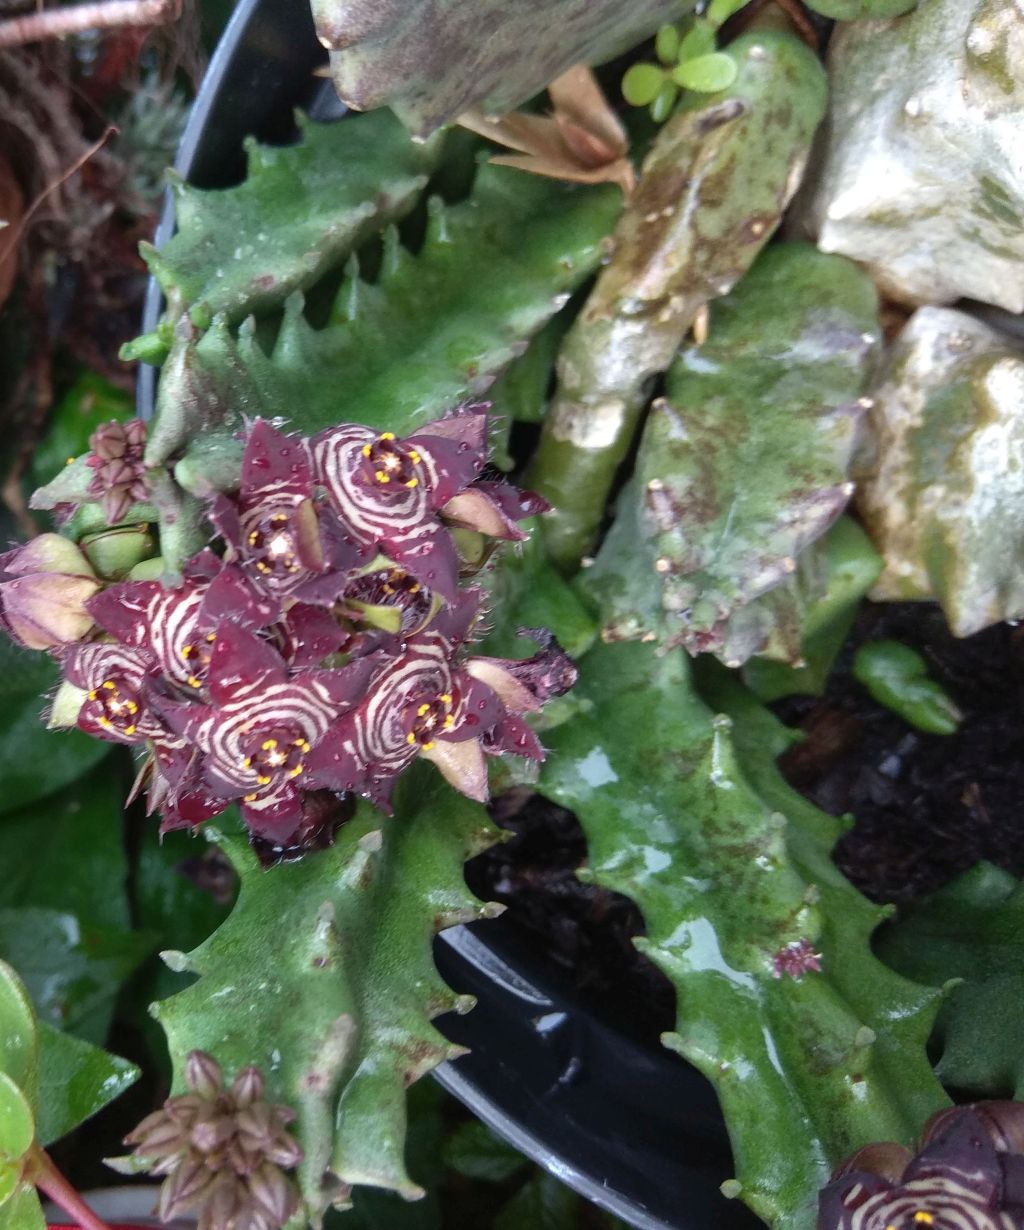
pixel 548 470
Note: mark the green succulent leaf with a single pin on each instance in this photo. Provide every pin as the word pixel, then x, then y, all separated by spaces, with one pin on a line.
pixel 732 872
pixel 850 567
pixel 707 73
pixel 664 101
pixel 26 677
pixel 944 501
pixel 745 464
pixel 77 845
pixel 434 329
pixel 339 1021
pixel 431 60
pixel 897 677
pixel 642 83
pixel 699 41
pixel 300 210
pixel 712 191
pixel 970 931
pixel 76 1080
pixel 666 43
pixel 73 970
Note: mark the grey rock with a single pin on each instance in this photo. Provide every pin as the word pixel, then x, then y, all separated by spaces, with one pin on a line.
pixel 944 497
pixel 919 168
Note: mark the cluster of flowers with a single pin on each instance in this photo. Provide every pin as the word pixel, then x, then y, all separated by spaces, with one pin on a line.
pixel 967 1175
pixel 324 648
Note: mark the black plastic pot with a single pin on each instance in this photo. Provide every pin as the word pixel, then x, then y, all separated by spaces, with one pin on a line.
pixel 628 1125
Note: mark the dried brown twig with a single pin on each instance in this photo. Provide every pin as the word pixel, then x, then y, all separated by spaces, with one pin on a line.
pixel 75 18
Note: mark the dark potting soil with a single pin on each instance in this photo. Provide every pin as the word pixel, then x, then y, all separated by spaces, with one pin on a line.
pixel 926 808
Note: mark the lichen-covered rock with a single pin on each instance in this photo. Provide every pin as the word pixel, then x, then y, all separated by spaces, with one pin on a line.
pixel 920 175
pixel 944 502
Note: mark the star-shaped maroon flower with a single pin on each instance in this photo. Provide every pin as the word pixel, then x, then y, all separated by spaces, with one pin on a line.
pixel 262 725
pixel 275 528
pixel 965 1175
pixel 428 703
pixel 388 493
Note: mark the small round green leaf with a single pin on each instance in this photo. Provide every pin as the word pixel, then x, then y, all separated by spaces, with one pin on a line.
pixel 719 11
pixel 700 41
pixel 661 107
pixel 641 84
pixel 707 74
pixel 666 45
pixel 17 1127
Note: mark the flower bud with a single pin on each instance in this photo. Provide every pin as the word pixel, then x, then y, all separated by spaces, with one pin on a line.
pixel 46 585
pixel 114 553
pixel 203 1075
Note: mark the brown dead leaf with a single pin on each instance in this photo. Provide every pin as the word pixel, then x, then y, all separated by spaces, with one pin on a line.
pixel 12 207
pixel 581 141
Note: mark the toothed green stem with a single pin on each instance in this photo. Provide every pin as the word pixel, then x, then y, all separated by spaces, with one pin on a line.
pixel 711 193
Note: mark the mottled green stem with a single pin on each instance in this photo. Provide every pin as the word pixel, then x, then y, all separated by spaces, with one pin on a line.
pixel 712 191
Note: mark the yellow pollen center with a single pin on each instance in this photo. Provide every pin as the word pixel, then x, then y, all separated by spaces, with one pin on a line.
pixel 924 1219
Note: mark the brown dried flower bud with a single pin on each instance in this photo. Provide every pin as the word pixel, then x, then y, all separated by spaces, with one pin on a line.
pixel 224 1151
pixel 120 473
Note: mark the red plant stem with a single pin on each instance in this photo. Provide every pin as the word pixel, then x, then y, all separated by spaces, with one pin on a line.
pixel 74 18
pixel 49 1179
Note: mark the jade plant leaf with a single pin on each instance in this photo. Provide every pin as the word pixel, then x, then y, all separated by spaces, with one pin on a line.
pixel 711 192
pixel 434 329
pixel 430 60
pixel 300 210
pixel 25 679
pixel 850 567
pixel 808 1038
pixel 73 971
pixel 339 1020
pixel 970 931
pixel 944 499
pixel 918 176
pixel 77 844
pixel 745 464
